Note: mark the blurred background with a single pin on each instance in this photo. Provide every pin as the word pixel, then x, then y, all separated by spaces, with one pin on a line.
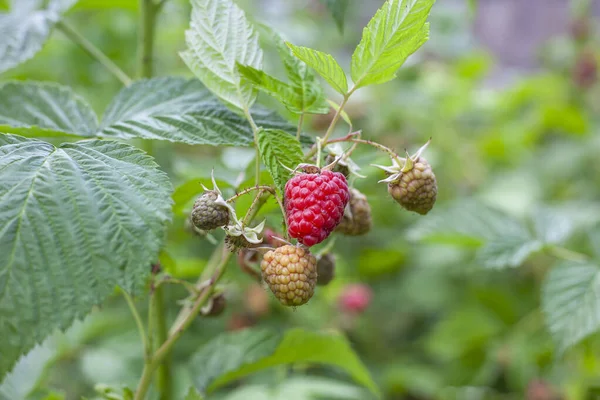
pixel 508 91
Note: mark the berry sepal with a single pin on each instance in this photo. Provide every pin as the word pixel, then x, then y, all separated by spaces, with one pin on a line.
pixel 396 170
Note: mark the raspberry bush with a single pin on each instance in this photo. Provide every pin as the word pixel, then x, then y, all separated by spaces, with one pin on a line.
pixel 95 212
pixel 312 172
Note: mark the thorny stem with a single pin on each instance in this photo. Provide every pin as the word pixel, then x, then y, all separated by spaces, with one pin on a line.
pixel 250 189
pixel 93 51
pixel 354 137
pixel 138 321
pixel 252 206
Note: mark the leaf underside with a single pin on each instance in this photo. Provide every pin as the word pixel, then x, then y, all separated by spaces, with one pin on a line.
pixel 571 302
pixel 25 29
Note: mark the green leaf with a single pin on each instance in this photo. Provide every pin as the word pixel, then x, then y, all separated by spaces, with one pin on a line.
pixel 279 149
pixel 102 4
pixel 26 373
pixel 594 238
pixel 324 64
pixel 303 92
pixel 337 8
pixel 25 28
pixel 502 241
pixel 228 352
pixel 297 99
pixel 300 388
pixel 192 394
pixel 571 302
pixel 44 109
pixel 396 31
pixel 552 226
pixel 219 37
pixel 467 222
pixel 508 251
pixel 235 355
pixel 173 109
pixel 303 79
pixel 76 220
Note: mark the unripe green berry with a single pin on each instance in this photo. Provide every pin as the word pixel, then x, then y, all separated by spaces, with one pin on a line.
pixel 325 269
pixel 357 218
pixel 415 190
pixel 207 214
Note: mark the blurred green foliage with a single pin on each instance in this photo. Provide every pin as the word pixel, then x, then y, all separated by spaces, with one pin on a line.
pixel 441 325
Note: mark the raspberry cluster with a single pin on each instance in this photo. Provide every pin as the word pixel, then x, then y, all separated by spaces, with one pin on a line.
pixel 314 205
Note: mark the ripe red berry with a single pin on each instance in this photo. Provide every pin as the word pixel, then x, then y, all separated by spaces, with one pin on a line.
pixel 355 298
pixel 314 205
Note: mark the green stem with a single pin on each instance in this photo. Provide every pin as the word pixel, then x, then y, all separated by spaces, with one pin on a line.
pixel 379 146
pixel 300 123
pixel 147 25
pixel 336 117
pixel 264 188
pixel 164 381
pixel 257 156
pixel 138 321
pixel 219 258
pixel 93 51
pixel 157 325
pixel 566 254
pixel 164 350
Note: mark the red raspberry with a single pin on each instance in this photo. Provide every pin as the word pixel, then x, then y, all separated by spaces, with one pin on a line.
pixel 355 298
pixel 314 205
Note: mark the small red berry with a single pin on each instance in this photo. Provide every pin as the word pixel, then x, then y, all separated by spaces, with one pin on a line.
pixel 585 71
pixel 355 298
pixel 314 205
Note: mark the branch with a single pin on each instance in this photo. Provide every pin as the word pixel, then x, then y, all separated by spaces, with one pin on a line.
pixel 93 51
pixel 138 321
